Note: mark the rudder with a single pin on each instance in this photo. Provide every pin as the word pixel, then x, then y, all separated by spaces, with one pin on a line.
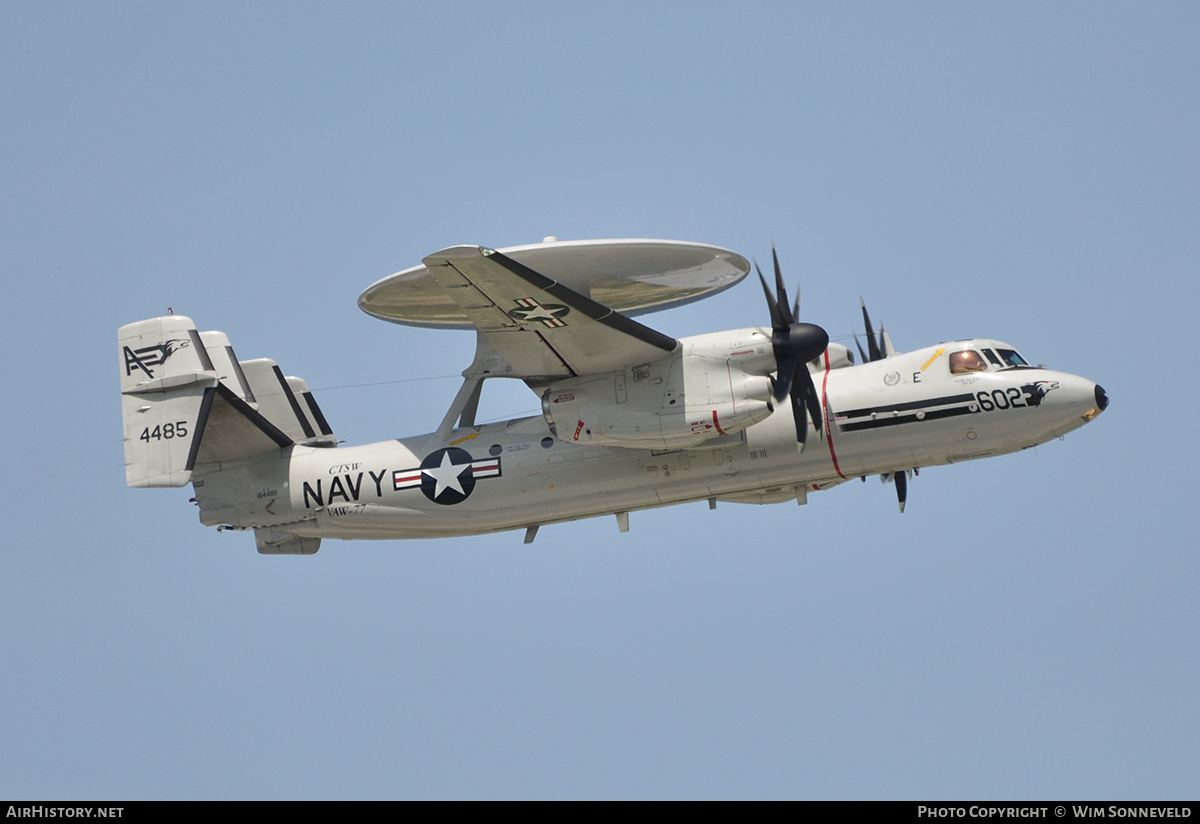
pixel 166 376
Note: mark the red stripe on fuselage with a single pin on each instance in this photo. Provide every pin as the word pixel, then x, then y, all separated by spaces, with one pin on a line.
pixel 825 415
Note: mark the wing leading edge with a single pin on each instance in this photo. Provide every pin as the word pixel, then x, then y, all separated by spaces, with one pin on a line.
pixel 542 328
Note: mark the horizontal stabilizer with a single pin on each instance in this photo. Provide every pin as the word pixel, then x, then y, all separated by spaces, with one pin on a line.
pixel 233 430
pixel 278 542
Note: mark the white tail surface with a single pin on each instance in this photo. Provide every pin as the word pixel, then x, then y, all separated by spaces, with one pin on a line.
pixel 287 403
pixel 220 352
pixel 165 374
pixel 187 401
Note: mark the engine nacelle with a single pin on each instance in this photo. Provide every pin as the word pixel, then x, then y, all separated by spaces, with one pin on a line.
pixel 839 358
pixel 677 402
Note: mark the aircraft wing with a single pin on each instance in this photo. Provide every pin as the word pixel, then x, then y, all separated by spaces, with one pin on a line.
pixel 543 329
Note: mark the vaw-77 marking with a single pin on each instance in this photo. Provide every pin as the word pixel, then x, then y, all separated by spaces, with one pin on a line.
pixel 631 418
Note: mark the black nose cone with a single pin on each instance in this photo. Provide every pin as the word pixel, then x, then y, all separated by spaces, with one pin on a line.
pixel 1101 398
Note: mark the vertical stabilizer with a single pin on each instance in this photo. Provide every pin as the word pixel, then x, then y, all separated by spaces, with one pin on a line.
pixel 167 381
pixel 229 371
pixel 308 407
pixel 287 403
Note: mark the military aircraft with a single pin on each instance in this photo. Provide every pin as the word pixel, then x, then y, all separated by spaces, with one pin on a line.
pixel 631 418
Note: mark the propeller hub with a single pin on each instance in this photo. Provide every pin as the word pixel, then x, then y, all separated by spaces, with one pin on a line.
pixel 806 341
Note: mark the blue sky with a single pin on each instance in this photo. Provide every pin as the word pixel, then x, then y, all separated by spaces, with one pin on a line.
pixel 1025 171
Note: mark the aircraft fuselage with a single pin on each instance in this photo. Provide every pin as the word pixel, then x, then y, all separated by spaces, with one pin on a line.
pixel 890 415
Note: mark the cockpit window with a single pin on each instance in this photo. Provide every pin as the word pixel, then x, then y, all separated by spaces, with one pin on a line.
pixel 992 357
pixel 1012 358
pixel 967 361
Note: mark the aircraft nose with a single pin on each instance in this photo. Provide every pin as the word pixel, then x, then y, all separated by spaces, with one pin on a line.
pixel 1096 401
pixel 1075 400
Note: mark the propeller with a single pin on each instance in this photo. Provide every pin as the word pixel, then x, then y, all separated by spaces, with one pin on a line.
pixel 901 480
pixel 877 349
pixel 794 345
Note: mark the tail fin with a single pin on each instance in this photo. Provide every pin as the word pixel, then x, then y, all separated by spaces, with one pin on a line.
pixel 287 402
pixel 186 400
pixel 166 377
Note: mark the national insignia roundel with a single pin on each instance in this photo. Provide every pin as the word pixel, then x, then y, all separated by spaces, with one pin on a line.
pixel 447 476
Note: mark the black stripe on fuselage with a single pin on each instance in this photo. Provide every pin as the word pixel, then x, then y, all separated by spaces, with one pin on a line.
pixel 902 407
pixel 879 422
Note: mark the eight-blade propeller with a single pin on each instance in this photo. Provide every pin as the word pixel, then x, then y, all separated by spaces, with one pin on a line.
pixel 794 344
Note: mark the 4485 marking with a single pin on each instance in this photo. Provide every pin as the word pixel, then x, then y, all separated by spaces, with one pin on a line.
pixel 164 432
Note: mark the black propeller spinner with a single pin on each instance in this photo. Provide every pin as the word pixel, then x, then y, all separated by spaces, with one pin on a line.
pixel 794 344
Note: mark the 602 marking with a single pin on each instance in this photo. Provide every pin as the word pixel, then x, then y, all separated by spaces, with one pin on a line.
pixel 1031 394
pixel 1000 399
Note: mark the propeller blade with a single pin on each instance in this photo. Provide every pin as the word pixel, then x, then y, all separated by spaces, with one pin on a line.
pixel 814 407
pixel 777 322
pixel 861 353
pixel 780 289
pixel 806 405
pixel 801 423
pixel 872 346
pixel 786 376
pixel 885 342
pixel 806 391
pixel 901 488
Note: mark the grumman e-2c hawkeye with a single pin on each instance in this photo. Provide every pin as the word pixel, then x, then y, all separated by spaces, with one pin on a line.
pixel 631 418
